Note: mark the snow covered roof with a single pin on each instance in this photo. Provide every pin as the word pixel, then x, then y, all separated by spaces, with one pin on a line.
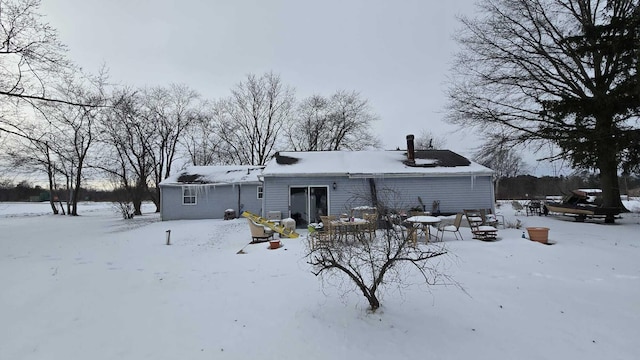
pixel 216 175
pixel 372 163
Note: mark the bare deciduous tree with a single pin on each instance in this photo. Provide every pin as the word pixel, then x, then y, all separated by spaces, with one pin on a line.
pixel 341 122
pixel 30 52
pixel 371 262
pixel 32 60
pixel 27 146
pixel 76 127
pixel 201 141
pixel 310 127
pixel 428 140
pixel 125 137
pixel 498 155
pixel 250 122
pixel 171 111
pixel 351 120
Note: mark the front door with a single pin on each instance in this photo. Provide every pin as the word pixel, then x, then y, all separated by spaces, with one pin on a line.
pixel 308 203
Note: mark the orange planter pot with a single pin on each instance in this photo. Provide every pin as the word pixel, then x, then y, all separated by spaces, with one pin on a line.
pixel 274 244
pixel 539 234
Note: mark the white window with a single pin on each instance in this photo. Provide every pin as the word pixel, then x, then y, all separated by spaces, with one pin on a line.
pixel 260 192
pixel 188 195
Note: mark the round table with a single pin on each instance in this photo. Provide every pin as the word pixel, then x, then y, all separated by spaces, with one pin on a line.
pixel 423 221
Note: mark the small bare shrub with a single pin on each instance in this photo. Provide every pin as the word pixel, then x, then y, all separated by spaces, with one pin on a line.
pixel 372 261
pixel 124 208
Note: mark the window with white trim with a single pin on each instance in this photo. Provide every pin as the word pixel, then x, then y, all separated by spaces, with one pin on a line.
pixel 188 195
pixel 260 192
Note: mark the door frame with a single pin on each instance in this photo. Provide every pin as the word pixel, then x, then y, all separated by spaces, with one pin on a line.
pixel 308 198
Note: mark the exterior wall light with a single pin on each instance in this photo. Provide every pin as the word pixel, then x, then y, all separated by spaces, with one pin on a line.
pixel 335 186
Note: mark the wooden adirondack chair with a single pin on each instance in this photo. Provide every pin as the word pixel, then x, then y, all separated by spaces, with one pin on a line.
pixel 479 229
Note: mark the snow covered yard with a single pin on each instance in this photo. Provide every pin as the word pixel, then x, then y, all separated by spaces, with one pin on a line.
pixel 98 287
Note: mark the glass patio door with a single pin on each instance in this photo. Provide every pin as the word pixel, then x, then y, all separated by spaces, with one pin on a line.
pixel 308 203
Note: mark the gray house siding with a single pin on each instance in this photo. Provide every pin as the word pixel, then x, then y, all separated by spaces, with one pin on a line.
pixel 211 201
pixel 453 192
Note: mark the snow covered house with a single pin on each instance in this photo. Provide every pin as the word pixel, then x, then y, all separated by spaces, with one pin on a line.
pixel 206 192
pixel 306 185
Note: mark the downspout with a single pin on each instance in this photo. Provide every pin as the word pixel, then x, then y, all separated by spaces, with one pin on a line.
pixel 374 192
pixel 239 210
pixel 493 197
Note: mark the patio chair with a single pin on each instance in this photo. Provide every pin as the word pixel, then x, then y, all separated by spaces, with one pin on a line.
pixel 488 218
pixel 330 229
pixel 372 224
pixel 259 233
pixel 497 219
pixel 275 216
pixel 533 207
pixel 479 230
pixel 317 238
pixel 454 228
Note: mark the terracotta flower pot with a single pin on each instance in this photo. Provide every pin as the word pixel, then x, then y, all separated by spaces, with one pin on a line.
pixel 274 244
pixel 539 234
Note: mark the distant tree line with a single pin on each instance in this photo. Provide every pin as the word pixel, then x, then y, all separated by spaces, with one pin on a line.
pixel 27 192
pixel 532 187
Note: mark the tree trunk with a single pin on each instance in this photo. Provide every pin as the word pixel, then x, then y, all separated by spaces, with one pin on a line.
pixel 139 193
pixel 608 163
pixel 51 187
pixel 156 198
pixel 609 185
pixel 52 203
pixel 69 194
pixel 374 192
pixel 61 206
pixel 136 200
pixel 374 303
pixel 74 198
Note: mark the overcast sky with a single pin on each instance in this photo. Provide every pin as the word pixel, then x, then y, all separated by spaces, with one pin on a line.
pixel 397 54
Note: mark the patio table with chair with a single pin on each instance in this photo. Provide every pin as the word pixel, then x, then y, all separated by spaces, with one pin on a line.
pixel 350 227
pixel 360 211
pixel 534 207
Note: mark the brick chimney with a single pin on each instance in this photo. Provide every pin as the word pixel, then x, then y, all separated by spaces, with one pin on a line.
pixel 411 156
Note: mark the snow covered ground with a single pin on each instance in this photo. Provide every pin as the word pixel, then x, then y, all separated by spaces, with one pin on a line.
pixel 98 287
